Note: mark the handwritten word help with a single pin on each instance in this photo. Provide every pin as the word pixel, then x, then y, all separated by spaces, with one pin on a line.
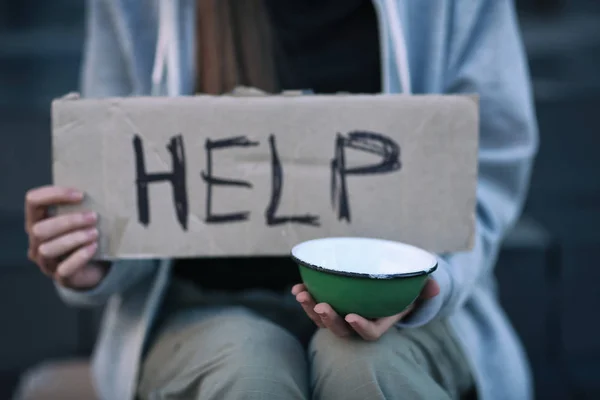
pixel 375 143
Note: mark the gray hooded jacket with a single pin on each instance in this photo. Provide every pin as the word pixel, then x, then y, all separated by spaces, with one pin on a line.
pixel 435 46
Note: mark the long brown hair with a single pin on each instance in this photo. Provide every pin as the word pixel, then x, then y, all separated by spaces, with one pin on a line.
pixel 234 46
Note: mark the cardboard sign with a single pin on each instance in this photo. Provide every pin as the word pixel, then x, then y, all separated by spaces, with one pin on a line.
pixel 240 176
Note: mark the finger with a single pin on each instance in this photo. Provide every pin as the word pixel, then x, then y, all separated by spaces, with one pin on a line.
pixel 388 322
pixel 308 305
pixel 332 320
pixel 39 199
pixel 404 313
pixel 85 278
pixel 298 289
pixel 76 261
pixel 53 227
pixel 368 330
pixel 67 243
pixel 49 195
pixel 373 330
pixel 430 290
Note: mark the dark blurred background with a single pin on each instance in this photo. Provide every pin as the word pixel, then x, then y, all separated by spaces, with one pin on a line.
pixel 548 268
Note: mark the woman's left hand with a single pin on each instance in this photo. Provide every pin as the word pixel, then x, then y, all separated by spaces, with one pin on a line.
pixel 325 317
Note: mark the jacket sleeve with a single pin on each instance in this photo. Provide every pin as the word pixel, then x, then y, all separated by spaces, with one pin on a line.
pixel 105 73
pixel 121 276
pixel 486 56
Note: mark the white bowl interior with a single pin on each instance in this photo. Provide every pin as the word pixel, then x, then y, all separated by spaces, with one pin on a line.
pixel 364 256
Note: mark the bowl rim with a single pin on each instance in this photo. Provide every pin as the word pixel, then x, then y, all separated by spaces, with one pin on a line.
pixel 364 274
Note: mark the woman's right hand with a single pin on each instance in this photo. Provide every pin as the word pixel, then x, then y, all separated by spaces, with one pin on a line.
pixel 63 246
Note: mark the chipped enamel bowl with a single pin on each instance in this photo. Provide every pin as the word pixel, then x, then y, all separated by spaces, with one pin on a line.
pixel 370 277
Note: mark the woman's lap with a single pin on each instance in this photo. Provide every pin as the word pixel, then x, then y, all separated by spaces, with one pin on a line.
pixel 231 354
pixel 255 346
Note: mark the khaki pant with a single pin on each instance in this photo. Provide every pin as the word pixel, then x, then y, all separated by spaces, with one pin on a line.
pixel 261 346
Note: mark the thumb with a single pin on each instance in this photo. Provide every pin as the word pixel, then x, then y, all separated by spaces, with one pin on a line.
pixel 430 290
pixel 86 277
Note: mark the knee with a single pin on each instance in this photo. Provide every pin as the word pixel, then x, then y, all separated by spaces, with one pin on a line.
pixel 260 357
pixel 352 368
pixel 234 354
pixel 335 355
pixel 249 339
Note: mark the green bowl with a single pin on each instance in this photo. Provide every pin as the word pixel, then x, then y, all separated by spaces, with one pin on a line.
pixel 370 277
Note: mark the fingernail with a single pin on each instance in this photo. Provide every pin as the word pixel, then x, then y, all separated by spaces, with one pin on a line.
pixel 91 249
pixel 90 216
pixel 61 272
pixel 75 194
pixel 92 233
pixel 43 250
